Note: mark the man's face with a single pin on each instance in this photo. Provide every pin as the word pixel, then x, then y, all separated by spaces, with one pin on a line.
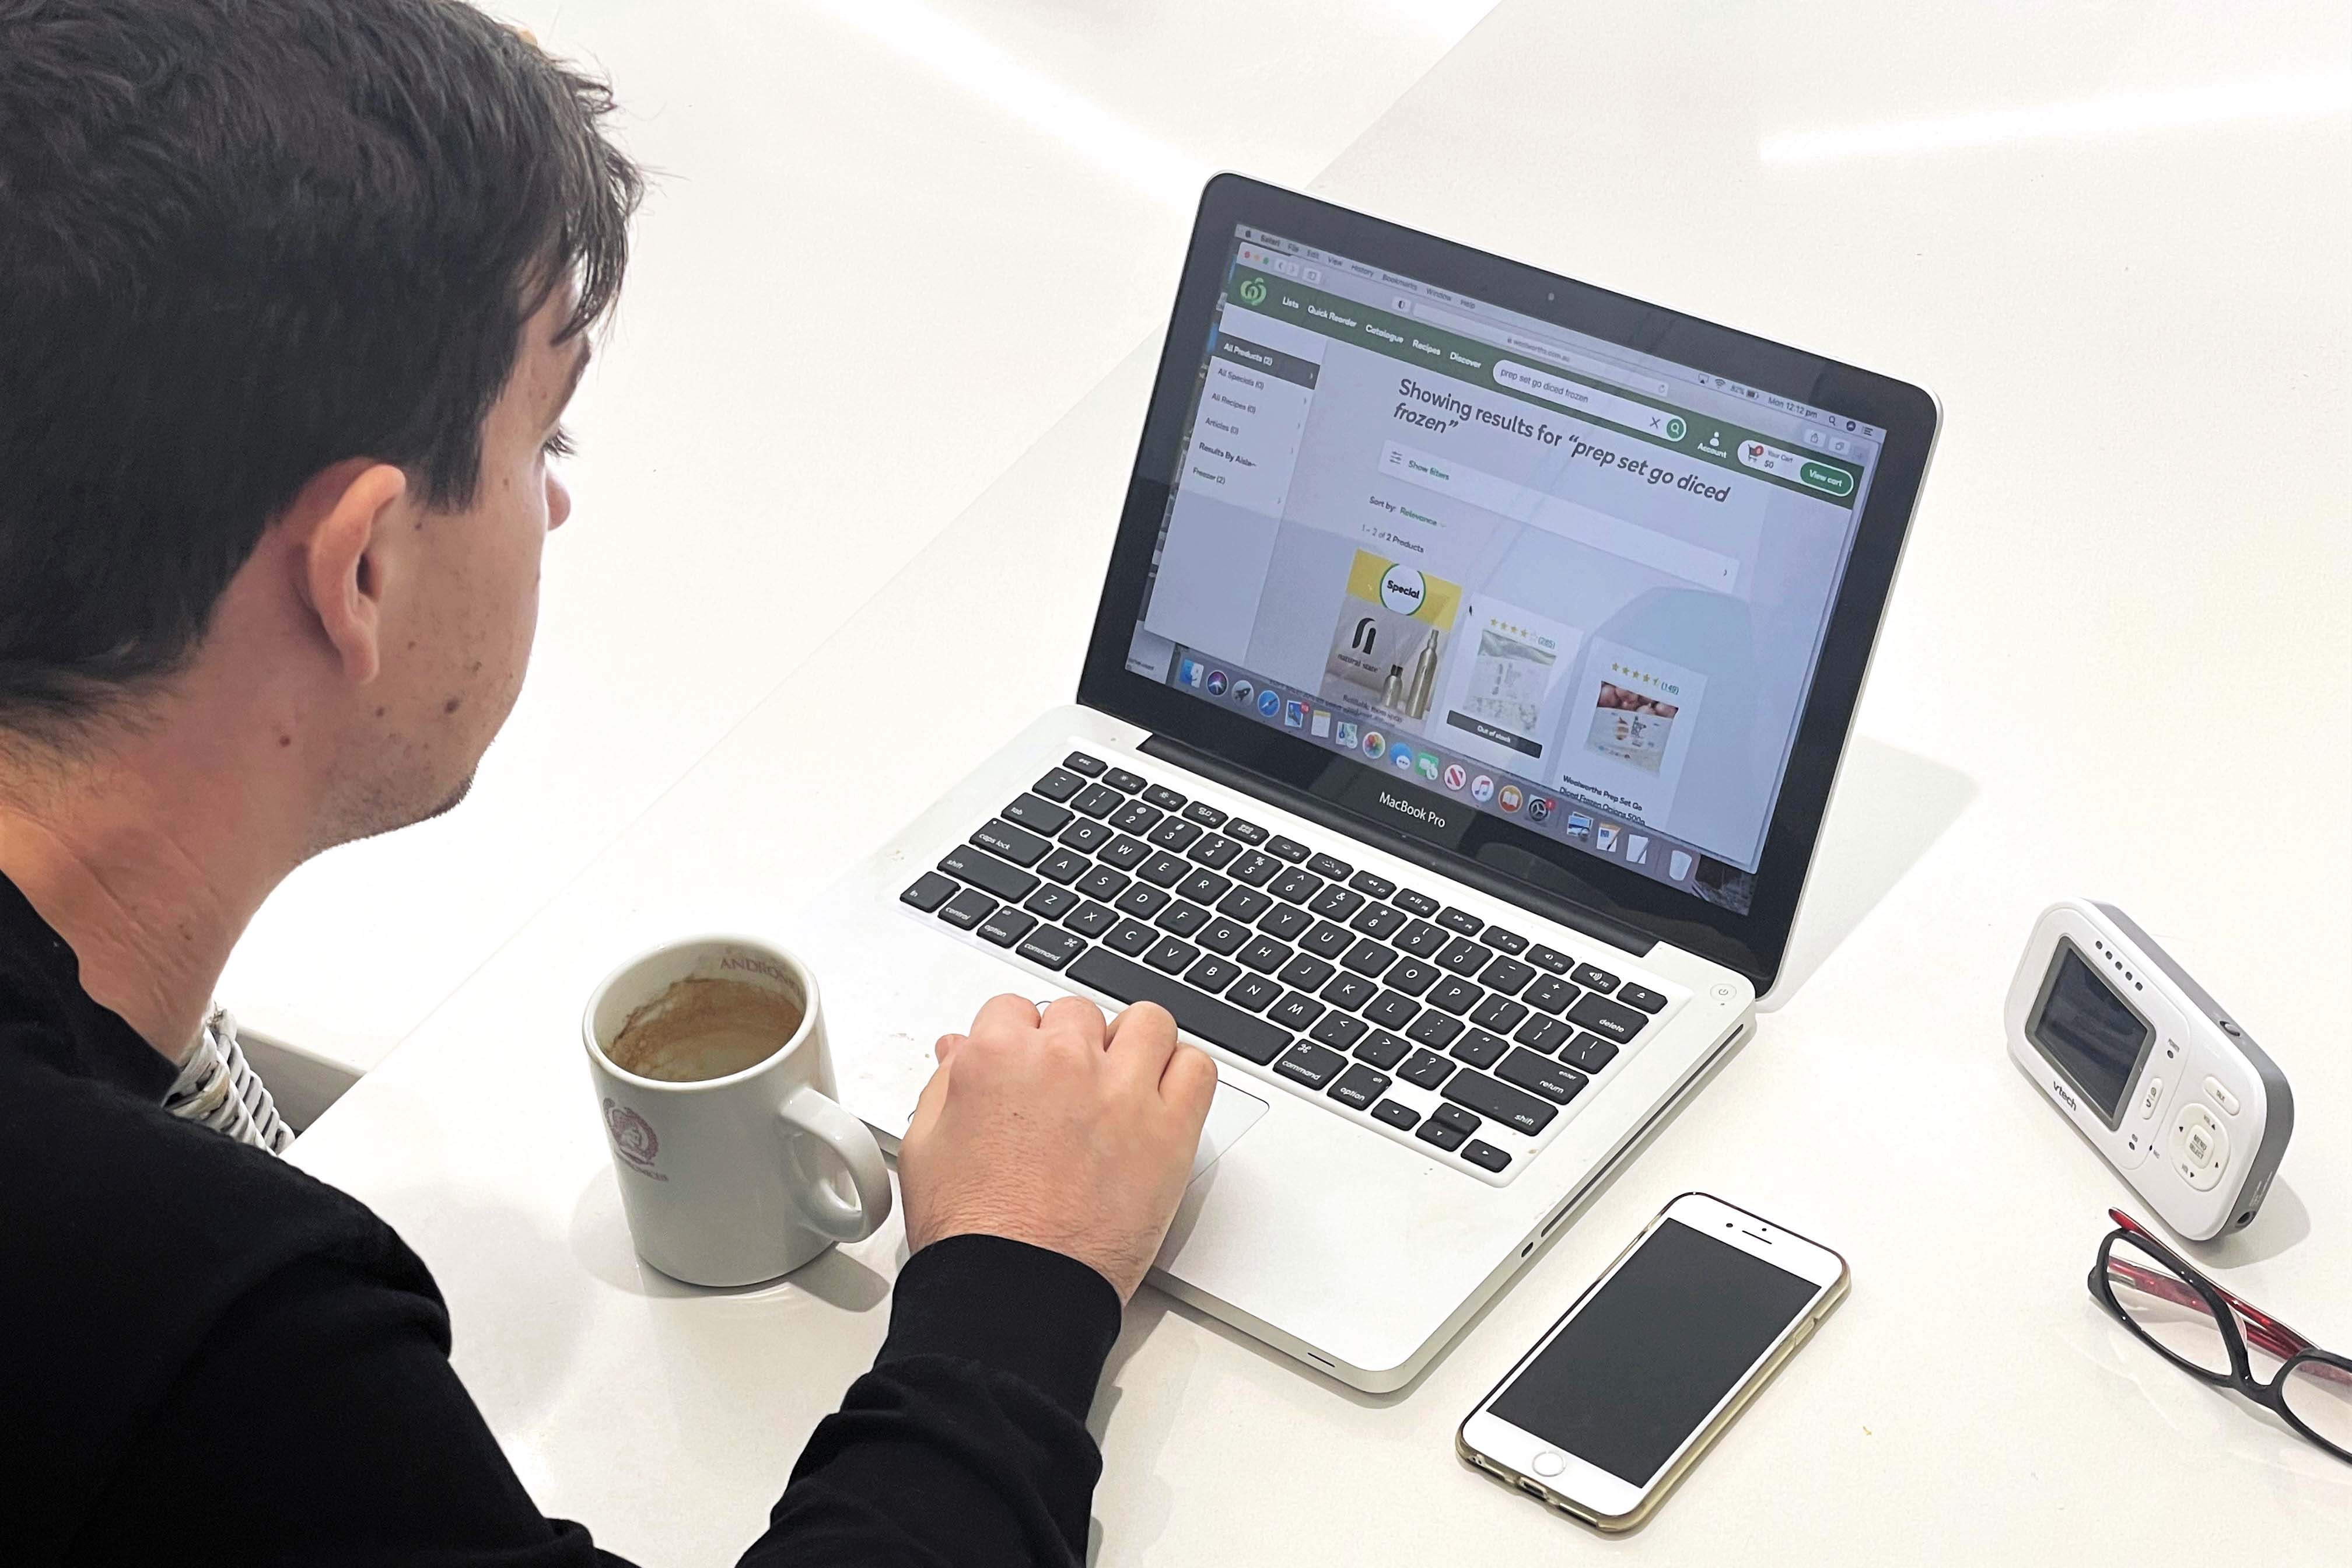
pixel 457 630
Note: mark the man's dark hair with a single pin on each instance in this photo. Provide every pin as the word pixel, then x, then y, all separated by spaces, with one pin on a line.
pixel 241 240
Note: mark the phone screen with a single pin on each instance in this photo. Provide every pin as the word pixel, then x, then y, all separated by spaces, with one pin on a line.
pixel 1654 1352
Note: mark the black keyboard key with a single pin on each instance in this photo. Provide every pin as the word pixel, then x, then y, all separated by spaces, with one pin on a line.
pixel 1485 1155
pixel 1453 1116
pixel 1091 919
pixel 1254 868
pixel 1425 1070
pixel 1164 798
pixel 1349 991
pixel 1392 1010
pixel 1175 833
pixel 1457 996
pixel 1555 1083
pixel 1401 1117
pixel 1499 1013
pixel 1286 921
pixel 1212 975
pixel 1422 940
pixel 1382 921
pixel 1180 918
pixel 1007 925
pixel 1296 1012
pixel 1505 974
pixel 1288 849
pixel 1330 867
pixel 1434 1028
pixel 1641 997
pixel 1214 851
pixel 1544 1034
pixel 1311 1065
pixel 1460 920
pixel 1253 991
pixel 1590 1052
pixel 1464 956
pixel 1142 900
pixel 988 873
pixel 1503 940
pixel 1359 1087
pixel 1132 938
pixel 1514 1108
pixel 1548 959
pixel 1381 1048
pixel 968 909
pixel 1207 816
pixel 1125 853
pixel 1086 837
pixel 1065 866
pixel 1328 940
pixel 1246 831
pixel 1413 977
pixel 1336 902
pixel 1099 800
pixel 1136 817
pixel 1050 947
pixel 1122 781
pixel 1305 972
pixel 1370 885
pixel 1553 996
pixel 1202 1016
pixel 1172 955
pixel 1435 1131
pixel 1414 903
pixel 1369 957
pixel 1479 1049
pixel 1223 937
pixel 1266 955
pixel 1244 904
pixel 1037 815
pixel 1595 976
pixel 1340 1031
pixel 1296 886
pixel 1058 786
pixel 929 891
pixel 1017 844
pixel 1079 762
pixel 1607 1019
pixel 1164 870
pixel 1050 903
pixel 1104 882
pixel 1203 887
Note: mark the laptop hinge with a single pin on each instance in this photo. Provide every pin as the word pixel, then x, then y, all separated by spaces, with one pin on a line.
pixel 1510 890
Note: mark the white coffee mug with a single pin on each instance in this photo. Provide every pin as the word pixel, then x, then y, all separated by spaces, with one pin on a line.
pixel 727 1181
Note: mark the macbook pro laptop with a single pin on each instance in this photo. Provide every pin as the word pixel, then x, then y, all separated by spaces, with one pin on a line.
pixel 1475 662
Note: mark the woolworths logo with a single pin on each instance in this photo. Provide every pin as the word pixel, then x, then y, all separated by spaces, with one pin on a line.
pixel 1253 290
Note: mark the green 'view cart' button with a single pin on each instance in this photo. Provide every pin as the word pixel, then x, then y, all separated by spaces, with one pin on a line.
pixel 1822 476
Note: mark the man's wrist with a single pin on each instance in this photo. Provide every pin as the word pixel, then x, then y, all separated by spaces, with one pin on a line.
pixel 1038 1315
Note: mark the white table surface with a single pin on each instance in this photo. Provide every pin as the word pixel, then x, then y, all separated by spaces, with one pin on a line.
pixel 889 243
pixel 2117 663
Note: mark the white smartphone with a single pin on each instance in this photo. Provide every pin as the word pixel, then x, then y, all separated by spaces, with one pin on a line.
pixel 1619 1398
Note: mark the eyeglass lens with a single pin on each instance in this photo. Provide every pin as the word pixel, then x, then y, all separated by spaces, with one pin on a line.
pixel 2320 1395
pixel 2172 1313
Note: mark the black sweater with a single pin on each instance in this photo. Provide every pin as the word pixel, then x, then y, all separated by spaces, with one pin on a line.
pixel 206 1355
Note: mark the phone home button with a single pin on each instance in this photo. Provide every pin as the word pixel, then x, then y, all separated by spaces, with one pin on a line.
pixel 1548 1463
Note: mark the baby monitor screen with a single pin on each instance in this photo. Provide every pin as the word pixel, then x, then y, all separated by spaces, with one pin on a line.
pixel 2088 1031
pixel 1573 585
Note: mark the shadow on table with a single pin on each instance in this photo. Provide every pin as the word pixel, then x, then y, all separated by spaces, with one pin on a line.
pixel 601 1244
pixel 2283 1221
pixel 1890 808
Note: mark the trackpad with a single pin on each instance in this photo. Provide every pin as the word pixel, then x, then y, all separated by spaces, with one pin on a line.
pixel 1231 1114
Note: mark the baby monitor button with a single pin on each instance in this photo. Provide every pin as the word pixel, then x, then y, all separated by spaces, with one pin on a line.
pixel 2149 1096
pixel 2221 1097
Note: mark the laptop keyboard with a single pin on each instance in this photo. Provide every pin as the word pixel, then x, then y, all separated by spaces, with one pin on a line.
pixel 1388 1005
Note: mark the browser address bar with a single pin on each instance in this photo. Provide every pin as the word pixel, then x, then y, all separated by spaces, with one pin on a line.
pixel 1470 326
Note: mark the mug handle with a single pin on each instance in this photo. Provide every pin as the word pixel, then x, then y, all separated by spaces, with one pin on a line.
pixel 808 1111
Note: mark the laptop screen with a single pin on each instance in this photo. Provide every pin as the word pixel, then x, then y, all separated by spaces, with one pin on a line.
pixel 1551 578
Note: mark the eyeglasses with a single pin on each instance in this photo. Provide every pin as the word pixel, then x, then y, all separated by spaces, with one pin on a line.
pixel 2202 1328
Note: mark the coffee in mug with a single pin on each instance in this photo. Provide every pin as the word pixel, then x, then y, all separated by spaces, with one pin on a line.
pixel 704 1026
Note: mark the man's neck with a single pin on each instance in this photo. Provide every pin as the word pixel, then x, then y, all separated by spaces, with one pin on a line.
pixel 149 864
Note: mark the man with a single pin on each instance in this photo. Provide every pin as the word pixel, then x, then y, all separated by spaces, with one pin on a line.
pixel 293 293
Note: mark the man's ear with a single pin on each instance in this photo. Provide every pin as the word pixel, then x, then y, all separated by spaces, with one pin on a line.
pixel 342 564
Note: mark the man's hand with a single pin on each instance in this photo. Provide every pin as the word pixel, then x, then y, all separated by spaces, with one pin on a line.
pixel 1055 1130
